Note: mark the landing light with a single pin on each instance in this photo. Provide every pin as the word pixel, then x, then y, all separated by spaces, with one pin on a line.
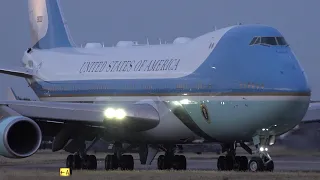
pixel 120 114
pixel 111 113
pixel 263 149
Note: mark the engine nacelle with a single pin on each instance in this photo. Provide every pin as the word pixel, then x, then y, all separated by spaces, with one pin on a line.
pixel 20 137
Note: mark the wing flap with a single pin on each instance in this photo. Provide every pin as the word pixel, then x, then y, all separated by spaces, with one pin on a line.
pixel 139 117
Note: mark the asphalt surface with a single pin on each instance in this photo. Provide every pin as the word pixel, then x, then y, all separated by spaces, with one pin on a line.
pixel 281 164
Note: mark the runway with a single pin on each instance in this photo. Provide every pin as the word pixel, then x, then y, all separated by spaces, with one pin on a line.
pixel 281 164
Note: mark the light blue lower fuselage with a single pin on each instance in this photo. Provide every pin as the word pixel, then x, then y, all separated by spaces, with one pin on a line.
pixel 238 83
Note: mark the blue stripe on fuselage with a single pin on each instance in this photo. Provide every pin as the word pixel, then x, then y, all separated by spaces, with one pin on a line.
pixel 236 64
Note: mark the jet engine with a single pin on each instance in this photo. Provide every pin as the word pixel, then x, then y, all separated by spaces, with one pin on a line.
pixel 20 136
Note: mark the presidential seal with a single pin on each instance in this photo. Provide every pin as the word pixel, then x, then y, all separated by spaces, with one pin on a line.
pixel 204 112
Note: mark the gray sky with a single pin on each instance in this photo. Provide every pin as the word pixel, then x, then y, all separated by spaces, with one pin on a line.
pixel 110 21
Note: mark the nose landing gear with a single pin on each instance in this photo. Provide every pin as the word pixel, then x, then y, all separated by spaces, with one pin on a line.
pixel 262 162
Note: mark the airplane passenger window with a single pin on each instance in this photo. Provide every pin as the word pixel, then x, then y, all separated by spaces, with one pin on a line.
pixel 269 41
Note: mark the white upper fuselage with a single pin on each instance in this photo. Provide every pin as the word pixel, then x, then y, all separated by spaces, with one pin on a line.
pixel 131 62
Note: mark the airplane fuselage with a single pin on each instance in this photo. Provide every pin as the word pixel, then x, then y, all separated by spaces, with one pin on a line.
pixel 217 86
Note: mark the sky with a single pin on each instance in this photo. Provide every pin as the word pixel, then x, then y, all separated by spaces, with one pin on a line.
pixel 109 21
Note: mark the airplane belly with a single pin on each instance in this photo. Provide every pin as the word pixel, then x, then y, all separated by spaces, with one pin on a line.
pixel 232 118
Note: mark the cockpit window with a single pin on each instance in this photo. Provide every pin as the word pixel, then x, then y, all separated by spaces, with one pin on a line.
pixel 253 40
pixel 269 41
pixel 282 41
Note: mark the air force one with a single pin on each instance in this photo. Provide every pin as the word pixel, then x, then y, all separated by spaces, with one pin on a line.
pixel 232 86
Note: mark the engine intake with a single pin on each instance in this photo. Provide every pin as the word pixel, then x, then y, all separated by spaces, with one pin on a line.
pixel 20 136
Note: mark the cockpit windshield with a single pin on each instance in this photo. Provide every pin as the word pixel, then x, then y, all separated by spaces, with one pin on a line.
pixel 269 41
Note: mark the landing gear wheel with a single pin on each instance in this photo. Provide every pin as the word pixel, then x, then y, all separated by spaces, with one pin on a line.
pixel 243 164
pixel 77 162
pixel 179 162
pixel 222 164
pixel 269 166
pixel 255 164
pixel 126 162
pixel 160 162
pixel 183 161
pixel 92 162
pixel 229 163
pixel 164 162
pixel 111 162
pixel 69 161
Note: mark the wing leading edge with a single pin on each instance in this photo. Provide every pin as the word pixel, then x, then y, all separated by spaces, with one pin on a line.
pixel 313 113
pixel 139 117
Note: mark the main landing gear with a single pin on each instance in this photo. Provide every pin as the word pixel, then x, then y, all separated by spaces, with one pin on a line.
pixel 85 162
pixel 118 159
pixel 81 160
pixel 231 161
pixel 124 162
pixel 169 160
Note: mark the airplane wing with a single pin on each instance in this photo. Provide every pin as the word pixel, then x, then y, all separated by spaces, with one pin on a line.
pixel 313 113
pixel 16 71
pixel 134 117
pixel 28 121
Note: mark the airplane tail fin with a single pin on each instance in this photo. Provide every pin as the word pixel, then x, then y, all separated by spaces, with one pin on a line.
pixel 48 29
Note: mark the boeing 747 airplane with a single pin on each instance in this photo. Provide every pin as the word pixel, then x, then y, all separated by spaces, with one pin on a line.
pixel 231 86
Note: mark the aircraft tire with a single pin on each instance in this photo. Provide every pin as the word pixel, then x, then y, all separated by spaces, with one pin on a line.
pixel 179 162
pixel 126 162
pixel 229 163
pixel 69 161
pixel 164 162
pixel 255 164
pixel 92 162
pixel 77 162
pixel 221 163
pixel 160 162
pixel 243 164
pixel 183 161
pixel 111 162
pixel 269 166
